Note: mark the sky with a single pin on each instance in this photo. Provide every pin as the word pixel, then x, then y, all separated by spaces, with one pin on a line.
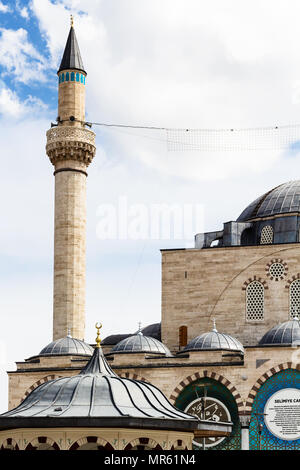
pixel 174 64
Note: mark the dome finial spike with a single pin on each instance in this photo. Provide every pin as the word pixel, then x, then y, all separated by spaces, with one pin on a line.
pixel 214 325
pixel 72 21
pixel 140 328
pixel 98 327
pixel 69 333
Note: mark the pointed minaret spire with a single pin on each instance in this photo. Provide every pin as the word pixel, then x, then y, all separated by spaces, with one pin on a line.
pixel 71 148
pixel 72 58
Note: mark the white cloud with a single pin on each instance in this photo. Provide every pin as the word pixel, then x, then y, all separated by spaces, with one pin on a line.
pixel 4 8
pixel 184 64
pixel 12 106
pixel 9 103
pixel 19 57
pixel 24 13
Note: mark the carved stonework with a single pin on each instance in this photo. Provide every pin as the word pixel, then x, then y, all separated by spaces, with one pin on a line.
pixel 70 143
pixel 245 420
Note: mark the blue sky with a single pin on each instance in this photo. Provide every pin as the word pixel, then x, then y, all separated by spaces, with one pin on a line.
pixel 176 63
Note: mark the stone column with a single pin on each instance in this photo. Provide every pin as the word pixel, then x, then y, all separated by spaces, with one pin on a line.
pixel 245 422
pixel 70 149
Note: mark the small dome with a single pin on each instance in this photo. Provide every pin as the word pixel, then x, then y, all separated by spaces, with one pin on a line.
pixel 141 344
pixel 67 345
pixel 213 340
pixel 153 330
pixel 98 392
pixel 283 199
pixel 284 333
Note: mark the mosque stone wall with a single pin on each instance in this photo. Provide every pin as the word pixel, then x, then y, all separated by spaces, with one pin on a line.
pixel 199 285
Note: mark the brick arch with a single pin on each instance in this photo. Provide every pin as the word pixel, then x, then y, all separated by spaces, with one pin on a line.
pixel 130 375
pixel 207 375
pixel 91 439
pixel 9 444
pixel 146 441
pixel 255 278
pixel 292 279
pixel 40 382
pixel 263 378
pixel 178 444
pixel 41 440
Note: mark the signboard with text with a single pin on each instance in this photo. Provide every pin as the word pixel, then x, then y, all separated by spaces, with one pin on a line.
pixel 282 414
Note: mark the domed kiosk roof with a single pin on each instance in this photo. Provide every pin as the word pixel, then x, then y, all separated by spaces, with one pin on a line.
pixel 67 345
pixel 283 199
pixel 287 333
pixel 213 340
pixel 97 397
pixel 139 343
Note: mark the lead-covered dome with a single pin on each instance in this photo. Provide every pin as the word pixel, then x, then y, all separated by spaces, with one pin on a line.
pixel 213 340
pixel 141 344
pixel 287 333
pixel 282 199
pixel 67 345
pixel 97 392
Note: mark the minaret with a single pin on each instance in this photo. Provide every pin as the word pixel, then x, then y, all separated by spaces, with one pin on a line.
pixel 71 148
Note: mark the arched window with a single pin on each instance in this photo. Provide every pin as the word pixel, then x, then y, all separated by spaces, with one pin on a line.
pixel 77 77
pixel 62 77
pixel 81 78
pixel 72 76
pixel 67 76
pixel 266 235
pixel 255 301
pixel 295 298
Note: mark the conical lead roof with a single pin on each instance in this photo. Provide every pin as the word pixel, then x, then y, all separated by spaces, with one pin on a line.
pixel 97 392
pixel 72 57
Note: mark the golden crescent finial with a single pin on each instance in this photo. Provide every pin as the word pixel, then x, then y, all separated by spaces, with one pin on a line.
pixel 98 327
pixel 72 21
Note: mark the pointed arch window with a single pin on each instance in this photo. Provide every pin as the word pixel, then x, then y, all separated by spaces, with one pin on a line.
pixel 77 77
pixel 266 235
pixel 67 76
pixel 255 301
pixel 72 76
pixel 295 298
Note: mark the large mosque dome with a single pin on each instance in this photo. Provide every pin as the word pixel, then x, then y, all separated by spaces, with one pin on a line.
pixel 272 218
pixel 282 199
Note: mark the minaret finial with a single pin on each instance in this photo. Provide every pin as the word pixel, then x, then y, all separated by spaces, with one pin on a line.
pixel 98 326
pixel 69 333
pixel 72 21
pixel 214 326
pixel 140 328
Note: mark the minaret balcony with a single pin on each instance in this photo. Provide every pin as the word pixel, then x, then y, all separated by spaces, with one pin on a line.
pixel 70 143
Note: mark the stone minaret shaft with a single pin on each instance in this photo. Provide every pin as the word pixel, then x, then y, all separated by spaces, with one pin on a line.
pixel 71 149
